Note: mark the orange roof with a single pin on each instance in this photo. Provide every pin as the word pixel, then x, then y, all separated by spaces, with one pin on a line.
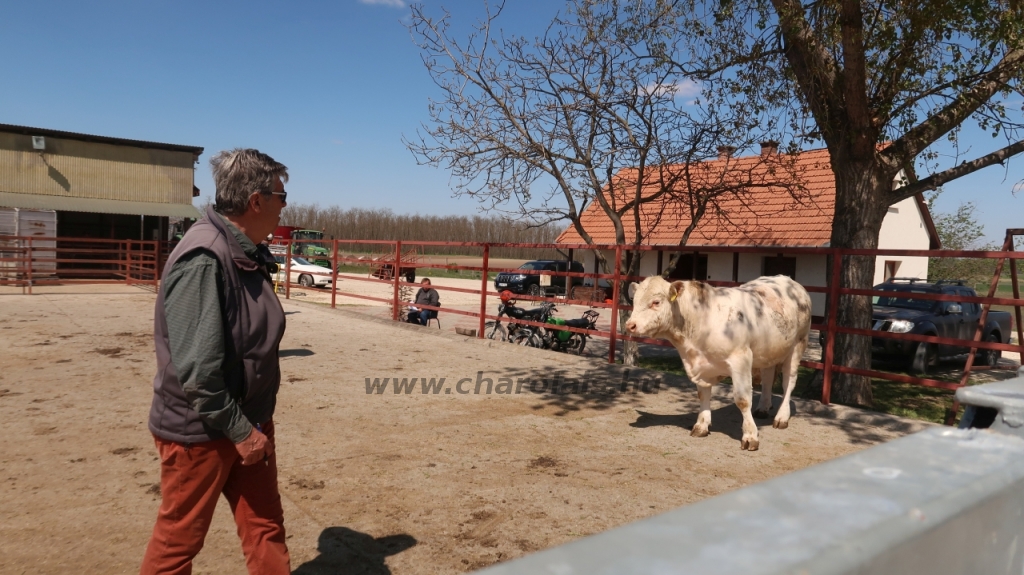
pixel 763 214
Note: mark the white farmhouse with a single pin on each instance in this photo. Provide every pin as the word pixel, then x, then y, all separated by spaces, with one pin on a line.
pixel 765 216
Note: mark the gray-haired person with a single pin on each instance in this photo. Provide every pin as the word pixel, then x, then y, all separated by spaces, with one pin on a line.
pixel 217 327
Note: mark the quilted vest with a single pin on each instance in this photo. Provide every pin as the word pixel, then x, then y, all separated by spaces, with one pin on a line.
pixel 254 324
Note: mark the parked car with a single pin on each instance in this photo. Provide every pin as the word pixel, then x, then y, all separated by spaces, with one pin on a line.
pixel 902 312
pixel 531 278
pixel 303 273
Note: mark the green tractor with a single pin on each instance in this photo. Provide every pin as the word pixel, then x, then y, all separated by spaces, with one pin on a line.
pixel 315 252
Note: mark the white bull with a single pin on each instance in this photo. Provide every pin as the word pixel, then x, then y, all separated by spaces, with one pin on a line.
pixel 728 332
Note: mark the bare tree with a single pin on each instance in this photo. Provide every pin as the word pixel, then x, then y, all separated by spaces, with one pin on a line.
pixel 882 82
pixel 577 113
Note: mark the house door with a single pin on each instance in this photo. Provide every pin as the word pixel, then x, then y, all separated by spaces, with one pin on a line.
pixel 780 266
pixel 891 267
pixel 685 268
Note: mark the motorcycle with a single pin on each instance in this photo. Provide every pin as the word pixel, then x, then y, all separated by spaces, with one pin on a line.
pixel 569 342
pixel 560 339
pixel 515 332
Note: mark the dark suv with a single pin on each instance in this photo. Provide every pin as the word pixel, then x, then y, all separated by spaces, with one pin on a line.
pixel 900 311
pixel 531 278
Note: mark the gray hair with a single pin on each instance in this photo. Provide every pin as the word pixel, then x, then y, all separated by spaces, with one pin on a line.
pixel 239 173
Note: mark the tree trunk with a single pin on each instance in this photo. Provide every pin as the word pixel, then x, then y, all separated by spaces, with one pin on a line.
pixel 861 192
pixel 630 349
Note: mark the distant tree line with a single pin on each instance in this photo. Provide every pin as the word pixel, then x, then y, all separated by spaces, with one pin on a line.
pixel 383 224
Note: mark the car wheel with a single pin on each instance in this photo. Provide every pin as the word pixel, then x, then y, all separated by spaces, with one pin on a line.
pixel 990 357
pixel 535 291
pixel 496 331
pixel 924 358
pixel 305 280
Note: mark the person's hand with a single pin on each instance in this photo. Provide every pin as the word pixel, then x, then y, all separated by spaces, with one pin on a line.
pixel 254 448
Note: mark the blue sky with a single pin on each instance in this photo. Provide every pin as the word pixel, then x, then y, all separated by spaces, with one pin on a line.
pixel 328 88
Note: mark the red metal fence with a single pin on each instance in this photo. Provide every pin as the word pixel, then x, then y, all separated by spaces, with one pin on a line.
pixel 27 262
pixel 833 292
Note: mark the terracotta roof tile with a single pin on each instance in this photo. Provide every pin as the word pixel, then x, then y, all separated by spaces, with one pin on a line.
pixel 764 216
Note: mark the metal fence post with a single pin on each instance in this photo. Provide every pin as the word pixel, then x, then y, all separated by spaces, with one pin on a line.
pixel 334 274
pixel 483 290
pixel 395 275
pixel 28 253
pixel 128 264
pixel 615 307
pixel 830 330
pixel 288 269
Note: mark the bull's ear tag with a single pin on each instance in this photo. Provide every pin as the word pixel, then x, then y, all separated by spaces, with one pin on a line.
pixel 672 296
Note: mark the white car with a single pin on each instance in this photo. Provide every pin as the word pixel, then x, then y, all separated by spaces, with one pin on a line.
pixel 303 272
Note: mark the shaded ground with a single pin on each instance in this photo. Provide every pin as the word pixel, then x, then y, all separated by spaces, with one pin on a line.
pixel 400 483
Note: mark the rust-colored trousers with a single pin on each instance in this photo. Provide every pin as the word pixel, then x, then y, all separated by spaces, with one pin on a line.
pixel 191 481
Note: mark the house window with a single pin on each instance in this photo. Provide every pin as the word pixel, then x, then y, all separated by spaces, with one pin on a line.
pixel 686 270
pixel 780 266
pixel 891 267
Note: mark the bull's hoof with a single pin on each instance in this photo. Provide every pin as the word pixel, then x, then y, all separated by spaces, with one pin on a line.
pixel 699 431
pixel 780 424
pixel 761 414
pixel 749 444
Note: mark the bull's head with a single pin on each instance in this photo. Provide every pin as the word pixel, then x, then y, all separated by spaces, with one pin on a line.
pixel 655 312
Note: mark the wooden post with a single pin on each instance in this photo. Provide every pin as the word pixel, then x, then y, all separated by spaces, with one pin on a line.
pixel 615 306
pixel 483 290
pixel 830 331
pixel 395 275
pixel 334 274
pixel 128 264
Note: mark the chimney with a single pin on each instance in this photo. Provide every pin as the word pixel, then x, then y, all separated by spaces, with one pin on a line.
pixel 725 152
pixel 769 147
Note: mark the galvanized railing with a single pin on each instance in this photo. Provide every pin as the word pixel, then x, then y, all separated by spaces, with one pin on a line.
pixel 942 501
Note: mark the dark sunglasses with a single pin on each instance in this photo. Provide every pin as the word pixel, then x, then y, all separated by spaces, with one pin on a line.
pixel 284 195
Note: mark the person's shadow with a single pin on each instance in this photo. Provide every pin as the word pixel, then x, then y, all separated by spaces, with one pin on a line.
pixel 347 552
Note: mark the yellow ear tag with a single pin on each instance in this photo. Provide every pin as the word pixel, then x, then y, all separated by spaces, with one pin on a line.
pixel 672 297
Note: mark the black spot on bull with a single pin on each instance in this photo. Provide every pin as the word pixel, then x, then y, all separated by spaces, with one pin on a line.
pixel 728 333
pixel 758 307
pixel 702 292
pixel 792 293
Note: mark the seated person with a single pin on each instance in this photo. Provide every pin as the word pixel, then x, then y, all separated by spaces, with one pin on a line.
pixel 425 296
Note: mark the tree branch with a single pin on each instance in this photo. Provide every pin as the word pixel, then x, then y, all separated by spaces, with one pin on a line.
pixel 966 103
pixel 935 180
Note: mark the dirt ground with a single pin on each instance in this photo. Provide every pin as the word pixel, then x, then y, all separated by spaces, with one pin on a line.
pixel 373 483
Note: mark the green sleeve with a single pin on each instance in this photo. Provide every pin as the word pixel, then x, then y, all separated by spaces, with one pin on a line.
pixel 195 328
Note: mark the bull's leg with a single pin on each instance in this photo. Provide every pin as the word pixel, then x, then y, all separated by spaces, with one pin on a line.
pixel 703 425
pixel 765 405
pixel 743 395
pixel 790 369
